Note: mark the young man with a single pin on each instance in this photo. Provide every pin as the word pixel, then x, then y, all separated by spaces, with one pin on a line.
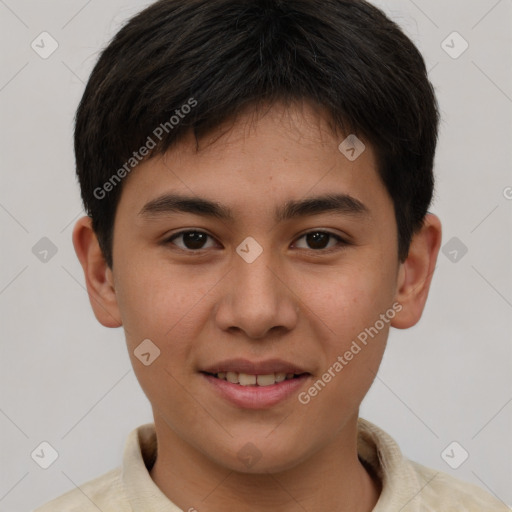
pixel 257 176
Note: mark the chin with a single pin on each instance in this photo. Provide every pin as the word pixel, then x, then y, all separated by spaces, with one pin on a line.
pixel 262 457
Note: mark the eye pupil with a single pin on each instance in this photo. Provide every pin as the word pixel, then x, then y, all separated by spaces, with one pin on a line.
pixel 318 240
pixel 194 239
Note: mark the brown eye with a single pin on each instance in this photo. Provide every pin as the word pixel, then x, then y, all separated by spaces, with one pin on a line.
pixel 190 240
pixel 318 240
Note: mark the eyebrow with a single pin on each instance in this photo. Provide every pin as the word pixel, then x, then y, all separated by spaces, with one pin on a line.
pixel 177 203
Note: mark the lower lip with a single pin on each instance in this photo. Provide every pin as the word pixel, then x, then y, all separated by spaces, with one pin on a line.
pixel 256 397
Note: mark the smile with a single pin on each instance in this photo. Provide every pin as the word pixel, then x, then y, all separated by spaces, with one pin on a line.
pixel 245 379
pixel 249 391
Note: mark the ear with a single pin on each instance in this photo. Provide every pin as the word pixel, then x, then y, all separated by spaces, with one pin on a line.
pixel 415 273
pixel 98 276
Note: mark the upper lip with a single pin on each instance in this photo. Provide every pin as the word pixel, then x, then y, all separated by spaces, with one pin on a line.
pixel 254 368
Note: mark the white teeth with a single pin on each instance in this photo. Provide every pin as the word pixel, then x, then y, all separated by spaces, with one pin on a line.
pixel 266 380
pixel 244 379
pixel 232 377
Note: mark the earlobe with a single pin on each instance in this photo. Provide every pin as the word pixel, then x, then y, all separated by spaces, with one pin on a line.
pixel 98 276
pixel 415 273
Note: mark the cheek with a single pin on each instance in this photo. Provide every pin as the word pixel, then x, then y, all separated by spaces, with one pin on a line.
pixel 350 303
pixel 352 355
pixel 348 300
pixel 160 303
pixel 162 306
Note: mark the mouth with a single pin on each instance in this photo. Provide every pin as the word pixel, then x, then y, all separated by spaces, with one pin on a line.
pixel 255 385
pixel 246 379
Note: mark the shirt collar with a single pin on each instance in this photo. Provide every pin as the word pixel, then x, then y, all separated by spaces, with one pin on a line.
pixel 139 454
pixel 400 484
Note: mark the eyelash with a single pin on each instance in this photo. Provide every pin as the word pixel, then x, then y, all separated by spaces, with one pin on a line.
pixel 341 241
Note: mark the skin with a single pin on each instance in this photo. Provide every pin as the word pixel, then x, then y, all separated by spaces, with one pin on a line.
pixel 297 301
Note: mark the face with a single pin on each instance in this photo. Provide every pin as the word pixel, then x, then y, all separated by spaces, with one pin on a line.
pixel 274 255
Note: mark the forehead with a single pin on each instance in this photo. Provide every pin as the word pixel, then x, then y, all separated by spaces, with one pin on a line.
pixel 264 157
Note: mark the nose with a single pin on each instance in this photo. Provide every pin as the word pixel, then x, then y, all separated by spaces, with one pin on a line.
pixel 256 299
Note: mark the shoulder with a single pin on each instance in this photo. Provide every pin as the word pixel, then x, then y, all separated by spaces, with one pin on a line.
pixel 104 493
pixel 443 492
pixel 411 487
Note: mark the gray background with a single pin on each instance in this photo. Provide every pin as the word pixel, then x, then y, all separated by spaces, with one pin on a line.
pixel 67 380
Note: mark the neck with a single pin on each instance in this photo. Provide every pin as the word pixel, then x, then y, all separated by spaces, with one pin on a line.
pixel 332 479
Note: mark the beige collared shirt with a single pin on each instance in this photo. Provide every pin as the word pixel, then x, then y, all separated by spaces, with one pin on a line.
pixel 406 485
